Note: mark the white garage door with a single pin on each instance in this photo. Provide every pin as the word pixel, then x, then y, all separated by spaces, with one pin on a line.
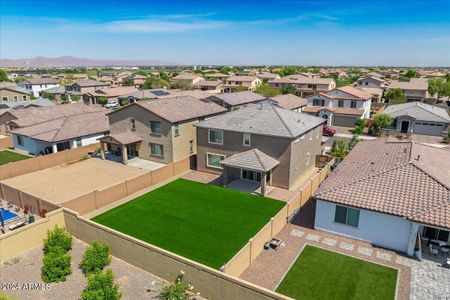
pixel 428 128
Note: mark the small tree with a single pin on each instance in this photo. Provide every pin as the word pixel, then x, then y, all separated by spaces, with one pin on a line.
pixel 95 258
pixel 381 121
pixel 355 140
pixel 437 88
pixel 175 290
pixel 359 127
pixel 101 286
pixel 48 96
pixel 288 89
pixel 239 89
pixel 339 149
pixel 155 83
pixel 55 266
pixel 182 85
pixel 75 98
pixel 267 91
pixel 395 96
pixel 102 100
pixel 57 238
pixel 3 75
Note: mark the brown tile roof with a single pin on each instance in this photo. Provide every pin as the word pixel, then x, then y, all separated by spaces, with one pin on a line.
pixel 186 76
pixel 122 138
pixel 336 110
pixel 89 82
pixel 243 78
pixel 389 177
pixel 411 85
pixel 289 101
pixel 34 81
pixel 115 91
pixel 209 83
pixel 355 92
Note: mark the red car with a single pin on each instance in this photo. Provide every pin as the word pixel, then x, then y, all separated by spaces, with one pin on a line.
pixel 328 131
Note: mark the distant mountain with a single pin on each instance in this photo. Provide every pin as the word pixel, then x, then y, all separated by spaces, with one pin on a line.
pixel 70 61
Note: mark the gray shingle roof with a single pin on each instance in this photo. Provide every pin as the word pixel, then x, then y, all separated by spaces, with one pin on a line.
pixel 253 159
pixel 420 111
pixel 264 119
pixel 89 83
pixel 289 101
pixel 239 98
pixel 13 87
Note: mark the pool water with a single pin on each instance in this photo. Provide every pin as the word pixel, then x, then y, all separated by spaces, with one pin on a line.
pixel 7 215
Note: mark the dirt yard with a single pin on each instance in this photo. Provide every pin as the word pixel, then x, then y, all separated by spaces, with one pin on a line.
pixel 62 183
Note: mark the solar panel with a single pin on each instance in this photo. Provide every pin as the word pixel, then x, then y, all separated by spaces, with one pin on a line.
pixel 160 93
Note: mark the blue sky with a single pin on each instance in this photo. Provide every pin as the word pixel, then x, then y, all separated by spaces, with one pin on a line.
pixel 310 32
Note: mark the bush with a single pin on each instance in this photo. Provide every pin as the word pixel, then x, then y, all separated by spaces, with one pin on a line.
pixel 58 238
pixel 56 266
pixel 102 100
pixel 175 291
pixel 95 258
pixel 100 286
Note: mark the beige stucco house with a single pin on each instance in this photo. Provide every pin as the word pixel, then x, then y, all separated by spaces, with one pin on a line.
pixel 305 86
pixel 250 82
pixel 10 92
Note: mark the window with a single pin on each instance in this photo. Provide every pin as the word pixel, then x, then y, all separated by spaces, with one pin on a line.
pixel 318 102
pixel 133 124
pixel 247 139
pixel 341 103
pixel 250 175
pixel 79 143
pixel 5 98
pixel 16 98
pixel 213 160
pixel 191 146
pixel 215 137
pixel 24 98
pixel 307 158
pixel 346 215
pixel 353 104
pixel 366 83
pixel 157 150
pixel 176 129
pixel 20 140
pixel 155 127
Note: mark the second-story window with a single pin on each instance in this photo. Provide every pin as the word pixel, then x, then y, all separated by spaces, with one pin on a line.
pixel 341 103
pixel 247 139
pixel 191 146
pixel 176 129
pixel 155 127
pixel 353 104
pixel 215 137
pixel 318 102
pixel 133 124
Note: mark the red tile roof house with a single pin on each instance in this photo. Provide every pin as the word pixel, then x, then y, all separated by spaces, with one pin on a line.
pixel 341 106
pixel 390 193
pixel 43 130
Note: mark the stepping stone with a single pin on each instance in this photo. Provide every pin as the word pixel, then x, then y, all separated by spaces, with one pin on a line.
pixel 297 233
pixel 346 246
pixel 329 242
pixel 384 255
pixel 365 251
pixel 313 237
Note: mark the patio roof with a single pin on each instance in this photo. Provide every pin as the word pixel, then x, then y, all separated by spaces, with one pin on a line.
pixel 122 138
pixel 253 160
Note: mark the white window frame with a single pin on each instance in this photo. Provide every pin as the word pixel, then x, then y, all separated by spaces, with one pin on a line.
pixel 79 142
pixel 211 166
pixel 176 129
pixel 308 158
pixel 154 154
pixel 209 137
pixel 249 139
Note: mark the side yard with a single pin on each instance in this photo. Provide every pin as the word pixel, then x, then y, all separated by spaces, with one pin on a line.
pixel 7 156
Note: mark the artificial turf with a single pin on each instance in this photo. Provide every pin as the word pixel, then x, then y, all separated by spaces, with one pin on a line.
pixel 205 223
pixel 8 156
pixel 322 274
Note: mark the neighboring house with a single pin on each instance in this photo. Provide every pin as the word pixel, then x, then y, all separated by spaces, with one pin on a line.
pixel 216 76
pixel 160 130
pixel 10 92
pixel 267 76
pixel 190 78
pixel 341 106
pixel 305 86
pixel 419 118
pixel 43 130
pixel 260 143
pixel 214 87
pixel 86 86
pixel 37 85
pixel 390 193
pixel 144 95
pixel 250 82
pixel 135 80
pixel 415 90
pixel 371 82
pixel 377 94
pixel 111 93
pixel 289 101
pixel 81 76
pixel 234 100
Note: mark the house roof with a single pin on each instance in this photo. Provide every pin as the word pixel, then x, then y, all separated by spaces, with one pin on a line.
pixel 89 83
pixel 115 91
pixel 355 92
pixel 243 78
pixel 13 87
pixel 179 109
pixel 239 98
pixel 186 76
pixel 122 138
pixel 34 81
pixel 268 76
pixel 67 127
pixel 289 101
pixel 409 85
pixel 372 91
pixel 264 119
pixel 299 79
pixel 336 110
pixel 210 83
pixel 6 106
pixel 253 159
pixel 216 75
pixel 150 94
pixel 404 179
pixel 419 111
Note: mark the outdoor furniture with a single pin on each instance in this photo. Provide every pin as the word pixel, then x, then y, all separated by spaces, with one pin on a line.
pixel 275 243
pixel 17 225
pixel 433 250
pixel 444 249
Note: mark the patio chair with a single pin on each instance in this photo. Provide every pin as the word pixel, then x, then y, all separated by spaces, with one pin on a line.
pixel 433 250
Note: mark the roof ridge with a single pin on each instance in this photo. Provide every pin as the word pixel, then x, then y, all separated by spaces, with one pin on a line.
pixel 256 151
pixel 429 175
pixel 282 120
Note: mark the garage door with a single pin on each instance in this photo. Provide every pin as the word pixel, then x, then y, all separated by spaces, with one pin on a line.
pixel 428 128
pixel 345 121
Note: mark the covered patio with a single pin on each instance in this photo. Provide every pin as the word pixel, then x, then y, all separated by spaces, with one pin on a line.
pixel 251 171
pixel 125 144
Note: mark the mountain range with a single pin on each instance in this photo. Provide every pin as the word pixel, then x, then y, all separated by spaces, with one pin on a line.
pixel 70 61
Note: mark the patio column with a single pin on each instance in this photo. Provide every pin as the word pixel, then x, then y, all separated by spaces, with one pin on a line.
pixel 124 155
pixel 263 183
pixel 412 239
pixel 102 150
pixel 54 148
pixel 225 176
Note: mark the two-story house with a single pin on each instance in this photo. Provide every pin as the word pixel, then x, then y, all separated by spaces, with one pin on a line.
pixel 211 86
pixel 260 143
pixel 10 92
pixel 415 90
pixel 341 106
pixel 160 130
pixel 86 86
pixel 249 82
pixel 37 85
pixel 190 78
pixel 235 100
pixel 305 86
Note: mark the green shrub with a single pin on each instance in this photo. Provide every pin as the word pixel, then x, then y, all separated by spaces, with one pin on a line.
pixel 56 265
pixel 58 238
pixel 95 258
pixel 100 286
pixel 6 297
pixel 175 291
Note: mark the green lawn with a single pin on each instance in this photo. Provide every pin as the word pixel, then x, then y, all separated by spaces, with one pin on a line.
pixel 7 156
pixel 206 223
pixel 322 274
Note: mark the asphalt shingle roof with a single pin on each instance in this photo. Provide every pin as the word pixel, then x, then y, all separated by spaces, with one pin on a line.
pixel 289 101
pixel 239 98
pixel 253 159
pixel 419 111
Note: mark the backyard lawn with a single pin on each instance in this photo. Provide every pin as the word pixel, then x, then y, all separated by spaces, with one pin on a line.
pixel 205 223
pixel 7 156
pixel 322 274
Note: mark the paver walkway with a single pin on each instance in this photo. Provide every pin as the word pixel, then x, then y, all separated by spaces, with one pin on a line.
pixel 270 267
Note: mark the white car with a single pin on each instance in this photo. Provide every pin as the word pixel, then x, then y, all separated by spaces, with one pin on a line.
pixel 112 105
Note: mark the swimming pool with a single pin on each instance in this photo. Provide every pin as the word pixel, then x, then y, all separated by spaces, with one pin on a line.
pixel 8 215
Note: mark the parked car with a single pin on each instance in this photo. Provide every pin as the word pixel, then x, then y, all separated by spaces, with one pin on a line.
pixel 328 131
pixel 112 105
